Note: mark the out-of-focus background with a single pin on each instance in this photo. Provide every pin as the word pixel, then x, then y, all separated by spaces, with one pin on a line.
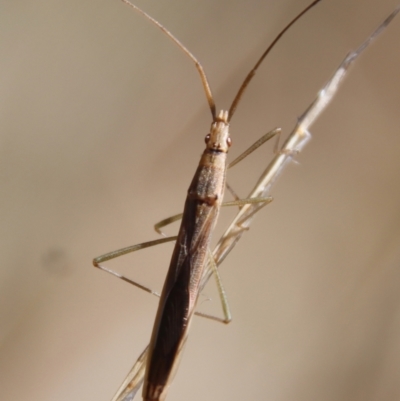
pixel 102 124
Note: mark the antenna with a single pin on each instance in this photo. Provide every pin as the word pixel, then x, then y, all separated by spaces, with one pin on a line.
pixel 251 74
pixel 199 67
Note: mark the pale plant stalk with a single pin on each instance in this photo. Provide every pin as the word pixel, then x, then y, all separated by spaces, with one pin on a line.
pixel 293 145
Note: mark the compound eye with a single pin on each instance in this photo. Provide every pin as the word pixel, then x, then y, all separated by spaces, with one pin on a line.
pixel 229 142
pixel 207 138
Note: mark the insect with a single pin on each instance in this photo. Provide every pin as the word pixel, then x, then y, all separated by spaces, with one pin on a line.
pixel 187 273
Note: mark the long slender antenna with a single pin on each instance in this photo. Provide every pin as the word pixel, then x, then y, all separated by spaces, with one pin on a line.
pixel 199 67
pixel 251 74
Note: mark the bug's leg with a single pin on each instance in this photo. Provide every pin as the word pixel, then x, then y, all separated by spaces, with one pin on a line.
pixel 276 146
pixel 256 145
pixel 221 291
pixel 278 151
pixel 287 152
pixel 241 202
pixel 124 251
pixel 133 248
pixel 165 222
pixel 252 148
pixel 246 201
pixel 232 192
pixel 213 267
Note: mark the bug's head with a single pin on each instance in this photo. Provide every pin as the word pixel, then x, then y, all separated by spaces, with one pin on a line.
pixel 218 139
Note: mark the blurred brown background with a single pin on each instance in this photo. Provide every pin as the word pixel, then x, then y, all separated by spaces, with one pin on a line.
pixel 102 123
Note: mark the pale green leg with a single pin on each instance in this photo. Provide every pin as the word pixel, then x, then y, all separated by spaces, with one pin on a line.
pixel 124 251
pixel 221 291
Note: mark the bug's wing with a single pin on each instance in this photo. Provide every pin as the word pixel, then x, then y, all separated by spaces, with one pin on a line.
pixel 192 238
pixel 134 380
pixel 135 377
